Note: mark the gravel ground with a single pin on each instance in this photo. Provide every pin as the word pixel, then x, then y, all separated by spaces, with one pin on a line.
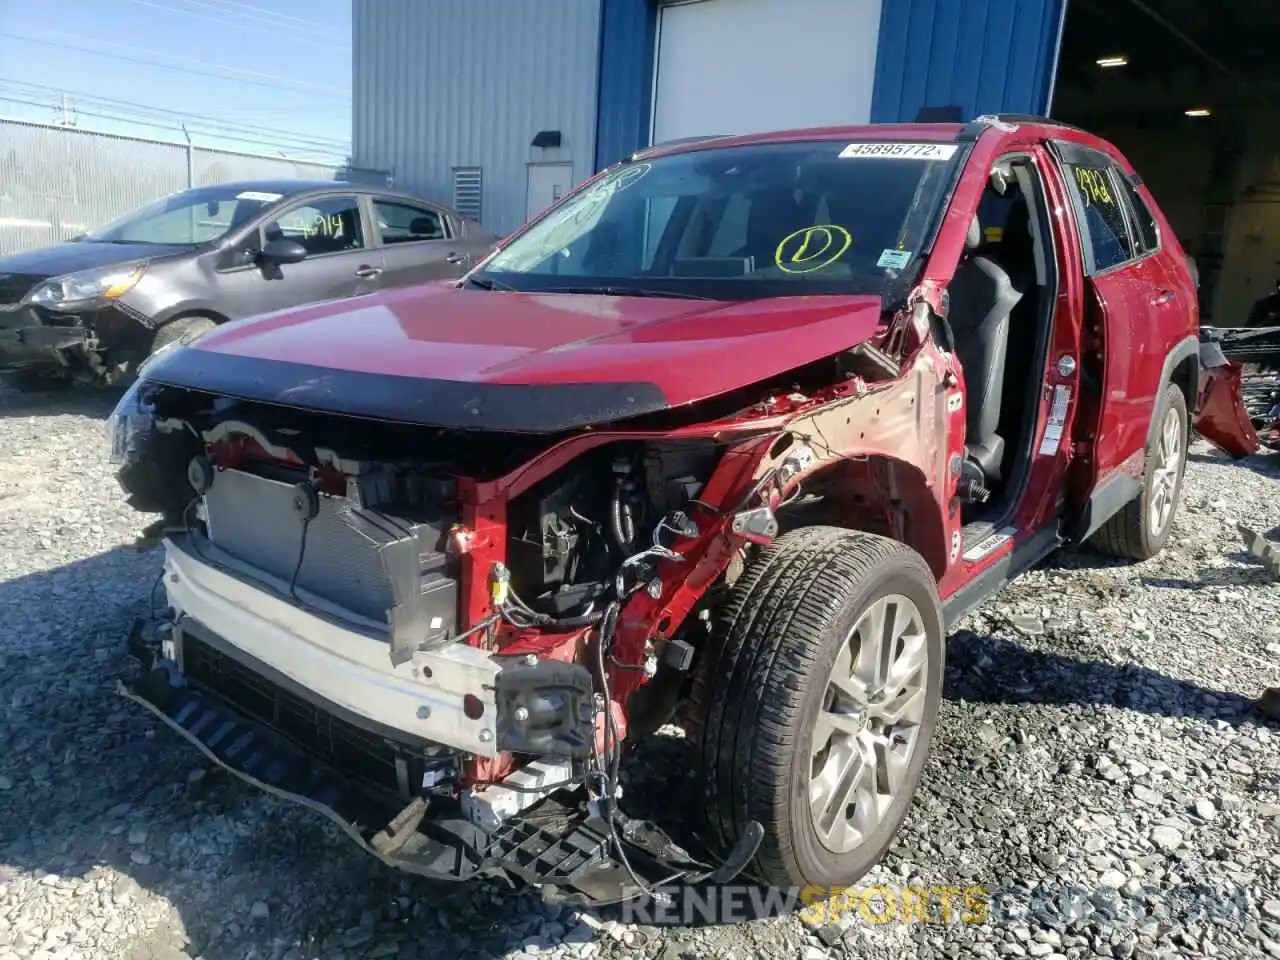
pixel 1098 736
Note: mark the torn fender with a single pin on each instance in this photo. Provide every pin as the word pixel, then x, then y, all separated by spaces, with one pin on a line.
pixel 1221 416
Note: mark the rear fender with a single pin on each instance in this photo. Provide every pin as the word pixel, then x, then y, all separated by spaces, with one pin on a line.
pixel 1221 416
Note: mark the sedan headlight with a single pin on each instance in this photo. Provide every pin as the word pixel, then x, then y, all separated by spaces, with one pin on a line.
pixel 103 283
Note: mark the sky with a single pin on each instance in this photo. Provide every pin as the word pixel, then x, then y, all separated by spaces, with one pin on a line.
pixel 254 76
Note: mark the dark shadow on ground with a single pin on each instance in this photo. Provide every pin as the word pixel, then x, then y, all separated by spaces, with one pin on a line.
pixel 82 400
pixel 990 669
pixel 94 781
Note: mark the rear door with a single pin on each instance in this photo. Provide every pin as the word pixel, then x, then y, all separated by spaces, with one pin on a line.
pixel 1127 303
pixel 418 242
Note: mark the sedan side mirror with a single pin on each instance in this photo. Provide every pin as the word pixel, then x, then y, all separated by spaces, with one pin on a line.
pixel 283 251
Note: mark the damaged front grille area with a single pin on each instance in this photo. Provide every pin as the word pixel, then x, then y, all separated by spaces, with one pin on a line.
pixel 375 568
pixel 374 761
pixel 15 286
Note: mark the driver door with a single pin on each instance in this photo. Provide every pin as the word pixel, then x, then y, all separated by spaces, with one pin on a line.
pixel 339 262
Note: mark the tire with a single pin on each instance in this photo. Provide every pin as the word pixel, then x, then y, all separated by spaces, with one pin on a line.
pixel 1134 532
pixel 762 687
pixel 181 330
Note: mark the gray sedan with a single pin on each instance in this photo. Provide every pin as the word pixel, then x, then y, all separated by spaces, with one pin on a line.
pixel 96 306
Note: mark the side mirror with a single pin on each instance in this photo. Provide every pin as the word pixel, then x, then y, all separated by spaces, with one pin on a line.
pixel 283 251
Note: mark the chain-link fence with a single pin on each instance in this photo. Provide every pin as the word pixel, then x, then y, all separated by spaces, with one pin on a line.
pixel 57 182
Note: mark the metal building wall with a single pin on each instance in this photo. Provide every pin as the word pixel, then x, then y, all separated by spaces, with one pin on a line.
pixel 984 56
pixel 628 29
pixel 468 83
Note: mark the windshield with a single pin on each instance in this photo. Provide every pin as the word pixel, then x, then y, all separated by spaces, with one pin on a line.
pixel 785 219
pixel 189 218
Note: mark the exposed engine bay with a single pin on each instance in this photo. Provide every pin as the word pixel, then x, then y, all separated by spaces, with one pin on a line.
pixel 323 517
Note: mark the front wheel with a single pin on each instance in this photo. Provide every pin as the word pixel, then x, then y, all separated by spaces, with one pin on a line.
pixel 813 710
pixel 181 330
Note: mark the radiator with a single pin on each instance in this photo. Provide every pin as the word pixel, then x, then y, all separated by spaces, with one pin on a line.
pixel 346 556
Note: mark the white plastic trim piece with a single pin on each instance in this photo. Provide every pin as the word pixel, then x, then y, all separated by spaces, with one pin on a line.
pixel 422 697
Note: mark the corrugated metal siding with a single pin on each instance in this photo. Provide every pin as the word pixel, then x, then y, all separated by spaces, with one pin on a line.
pixel 985 56
pixel 627 32
pixel 468 83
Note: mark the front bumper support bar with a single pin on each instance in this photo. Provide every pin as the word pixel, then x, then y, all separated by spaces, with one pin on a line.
pixel 559 845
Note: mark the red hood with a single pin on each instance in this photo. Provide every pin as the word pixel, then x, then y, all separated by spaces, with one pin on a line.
pixel 691 349
pixel 678 350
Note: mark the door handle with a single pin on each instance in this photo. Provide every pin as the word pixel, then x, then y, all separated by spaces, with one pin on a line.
pixel 455 258
pixel 367 272
pixel 1164 298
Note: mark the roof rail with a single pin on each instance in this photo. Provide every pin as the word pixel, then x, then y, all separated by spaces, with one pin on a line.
pixel 974 128
pixel 678 141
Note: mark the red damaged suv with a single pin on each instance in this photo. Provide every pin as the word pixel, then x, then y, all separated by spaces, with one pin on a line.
pixel 733 434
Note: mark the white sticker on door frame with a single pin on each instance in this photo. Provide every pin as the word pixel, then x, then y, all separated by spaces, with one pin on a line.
pixel 1056 423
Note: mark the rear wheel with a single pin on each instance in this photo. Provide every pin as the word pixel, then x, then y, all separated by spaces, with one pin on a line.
pixel 1141 528
pixel 815 705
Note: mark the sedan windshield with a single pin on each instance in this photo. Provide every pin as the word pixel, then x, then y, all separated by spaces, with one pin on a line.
pixel 189 218
pixel 732 223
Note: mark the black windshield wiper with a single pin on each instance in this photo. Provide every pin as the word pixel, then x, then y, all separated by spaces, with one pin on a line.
pixel 609 291
pixel 489 284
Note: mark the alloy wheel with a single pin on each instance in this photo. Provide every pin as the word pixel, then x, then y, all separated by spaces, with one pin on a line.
pixel 1168 464
pixel 868 727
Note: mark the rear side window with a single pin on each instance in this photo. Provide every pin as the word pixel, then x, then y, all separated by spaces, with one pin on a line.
pixel 1144 224
pixel 401 223
pixel 1101 206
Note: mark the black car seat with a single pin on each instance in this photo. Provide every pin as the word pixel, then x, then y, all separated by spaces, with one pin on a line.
pixel 772 215
pixel 1016 250
pixel 982 295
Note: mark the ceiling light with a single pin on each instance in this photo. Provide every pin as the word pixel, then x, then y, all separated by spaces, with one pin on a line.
pixel 1116 61
pixel 1198 112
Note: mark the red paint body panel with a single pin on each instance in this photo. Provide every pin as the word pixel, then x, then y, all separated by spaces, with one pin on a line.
pixel 1223 419
pixel 690 349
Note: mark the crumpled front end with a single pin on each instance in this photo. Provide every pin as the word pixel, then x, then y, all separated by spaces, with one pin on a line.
pixel 441 638
pixel 29 339
pixel 336 624
pixel 314 713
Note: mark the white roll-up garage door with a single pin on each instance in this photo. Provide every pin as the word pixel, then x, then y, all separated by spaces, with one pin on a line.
pixel 744 66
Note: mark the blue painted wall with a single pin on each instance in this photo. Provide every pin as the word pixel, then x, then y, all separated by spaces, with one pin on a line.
pixel 985 56
pixel 627 32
